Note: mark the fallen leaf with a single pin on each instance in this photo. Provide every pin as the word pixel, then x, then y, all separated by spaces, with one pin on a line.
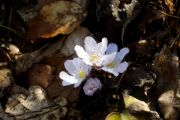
pixel 170 6
pixel 35 105
pixel 139 108
pixel 134 104
pixel 75 38
pixel 125 115
pixel 166 66
pixel 57 17
pixel 40 74
pixel 5 77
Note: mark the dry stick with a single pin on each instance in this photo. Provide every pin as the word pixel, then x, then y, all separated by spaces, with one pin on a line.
pixel 10 17
pixel 122 34
pixel 15 31
pixel 173 42
pixel 25 61
pixel 169 14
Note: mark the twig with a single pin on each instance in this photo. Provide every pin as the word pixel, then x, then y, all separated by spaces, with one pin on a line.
pixel 15 31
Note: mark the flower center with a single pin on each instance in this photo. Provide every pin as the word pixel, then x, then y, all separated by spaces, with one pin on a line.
pixel 94 57
pixel 82 74
pixel 112 64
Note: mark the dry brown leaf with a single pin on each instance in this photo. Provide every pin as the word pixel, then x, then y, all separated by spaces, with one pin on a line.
pixel 166 66
pixel 75 38
pixel 57 17
pixel 170 6
pixel 40 74
pixel 35 105
pixel 5 77
pixel 25 61
pixel 5 116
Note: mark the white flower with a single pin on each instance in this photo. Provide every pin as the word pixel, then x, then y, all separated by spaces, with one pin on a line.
pixel 94 53
pixel 116 66
pixel 78 71
pixel 91 86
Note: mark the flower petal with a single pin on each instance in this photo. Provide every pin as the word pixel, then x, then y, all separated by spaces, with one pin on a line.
pixel 89 44
pixel 77 84
pixel 65 83
pixel 112 47
pixel 78 63
pixel 122 67
pixel 70 67
pixel 120 55
pixel 68 78
pixel 102 46
pixel 113 71
pixel 106 59
pixel 91 86
pixel 86 68
pixel 82 54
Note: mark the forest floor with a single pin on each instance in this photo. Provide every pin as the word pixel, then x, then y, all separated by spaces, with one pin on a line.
pixel 38 36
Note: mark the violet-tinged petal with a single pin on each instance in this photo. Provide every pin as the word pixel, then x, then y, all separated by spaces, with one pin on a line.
pixel 106 59
pixel 112 47
pixel 70 67
pixel 91 86
pixel 110 70
pixel 79 72
pixel 122 53
pixel 122 67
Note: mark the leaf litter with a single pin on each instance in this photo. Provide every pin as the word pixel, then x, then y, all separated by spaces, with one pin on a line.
pixel 39 36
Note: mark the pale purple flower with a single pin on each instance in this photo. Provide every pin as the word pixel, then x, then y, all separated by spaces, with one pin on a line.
pixel 91 86
pixel 78 71
pixel 94 53
pixel 116 66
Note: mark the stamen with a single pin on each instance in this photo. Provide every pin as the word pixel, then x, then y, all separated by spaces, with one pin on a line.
pixel 112 64
pixel 94 58
pixel 82 74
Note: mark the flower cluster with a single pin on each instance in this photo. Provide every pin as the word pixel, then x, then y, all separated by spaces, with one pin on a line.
pixel 93 55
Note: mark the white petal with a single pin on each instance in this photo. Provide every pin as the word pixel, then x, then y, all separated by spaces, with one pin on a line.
pixel 82 54
pixel 101 47
pixel 104 45
pixel 106 59
pixel 113 71
pixel 66 77
pixel 77 84
pixel 86 68
pixel 120 55
pixel 122 67
pixel 78 63
pixel 112 47
pixel 65 83
pixel 89 44
pixel 70 67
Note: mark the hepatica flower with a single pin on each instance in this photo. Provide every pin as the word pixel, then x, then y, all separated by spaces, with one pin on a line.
pixel 91 86
pixel 94 53
pixel 116 66
pixel 77 70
